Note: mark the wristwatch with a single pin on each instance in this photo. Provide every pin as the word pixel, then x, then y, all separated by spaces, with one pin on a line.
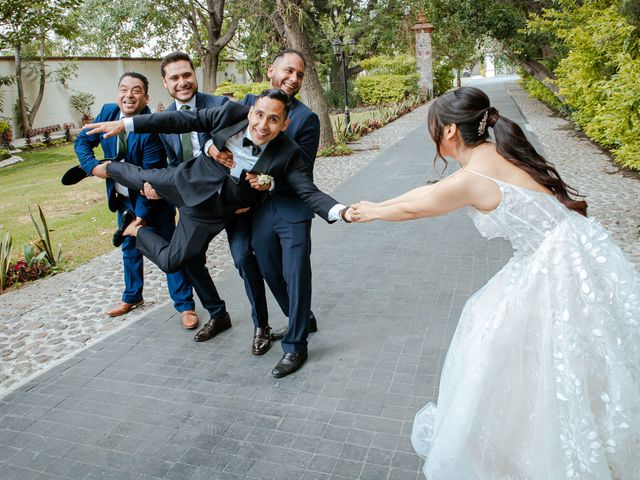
pixel 342 214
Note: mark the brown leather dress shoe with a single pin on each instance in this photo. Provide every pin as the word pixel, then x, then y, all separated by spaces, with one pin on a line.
pixel 261 340
pixel 189 319
pixel 123 308
pixel 213 327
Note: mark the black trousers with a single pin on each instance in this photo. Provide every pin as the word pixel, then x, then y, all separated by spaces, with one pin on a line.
pixel 195 229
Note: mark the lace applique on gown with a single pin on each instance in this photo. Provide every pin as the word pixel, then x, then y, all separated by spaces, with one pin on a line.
pixel 542 378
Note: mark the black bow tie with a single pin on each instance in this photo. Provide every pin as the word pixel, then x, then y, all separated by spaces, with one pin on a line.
pixel 255 149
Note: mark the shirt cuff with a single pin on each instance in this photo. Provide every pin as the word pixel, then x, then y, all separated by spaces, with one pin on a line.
pixel 205 150
pixel 128 124
pixel 334 213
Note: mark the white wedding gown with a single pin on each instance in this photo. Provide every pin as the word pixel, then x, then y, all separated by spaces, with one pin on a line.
pixel 542 378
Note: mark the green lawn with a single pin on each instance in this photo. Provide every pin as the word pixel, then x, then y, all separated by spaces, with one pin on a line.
pixel 77 215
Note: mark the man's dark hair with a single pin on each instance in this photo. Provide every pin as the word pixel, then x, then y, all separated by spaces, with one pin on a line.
pixel 291 51
pixel 175 57
pixel 277 94
pixel 139 76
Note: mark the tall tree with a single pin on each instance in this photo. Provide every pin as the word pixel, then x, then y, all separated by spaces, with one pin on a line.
pixel 29 24
pixel 292 14
pixel 122 27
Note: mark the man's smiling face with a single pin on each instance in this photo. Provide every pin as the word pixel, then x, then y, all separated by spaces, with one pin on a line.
pixel 180 80
pixel 267 118
pixel 132 97
pixel 287 73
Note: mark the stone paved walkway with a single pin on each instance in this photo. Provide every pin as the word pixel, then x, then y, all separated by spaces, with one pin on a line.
pixel 147 402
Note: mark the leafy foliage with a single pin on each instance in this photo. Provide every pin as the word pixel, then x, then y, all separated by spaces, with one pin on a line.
pixel 43 241
pixel 6 246
pixel 83 103
pixel 598 77
pixel 387 64
pixel 239 90
pixel 386 88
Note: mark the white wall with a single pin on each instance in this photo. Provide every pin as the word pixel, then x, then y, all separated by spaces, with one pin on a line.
pixel 98 76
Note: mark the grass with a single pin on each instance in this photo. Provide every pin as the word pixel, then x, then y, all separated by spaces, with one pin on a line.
pixel 78 215
pixel 356 117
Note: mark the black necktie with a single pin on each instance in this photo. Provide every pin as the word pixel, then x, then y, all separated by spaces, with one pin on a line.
pixel 255 149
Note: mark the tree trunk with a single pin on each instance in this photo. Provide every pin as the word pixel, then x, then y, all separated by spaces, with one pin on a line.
pixel 24 116
pixel 41 84
pixel 540 73
pixel 209 72
pixel 312 93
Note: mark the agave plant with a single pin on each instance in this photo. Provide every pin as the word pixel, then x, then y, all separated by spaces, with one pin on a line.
pixel 6 245
pixel 43 242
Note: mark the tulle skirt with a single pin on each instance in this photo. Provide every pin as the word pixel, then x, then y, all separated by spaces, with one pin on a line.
pixel 541 381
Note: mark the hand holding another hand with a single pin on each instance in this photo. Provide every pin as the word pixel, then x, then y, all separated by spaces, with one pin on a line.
pixel 362 211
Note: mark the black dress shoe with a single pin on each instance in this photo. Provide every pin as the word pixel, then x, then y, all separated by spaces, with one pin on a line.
pixel 213 327
pixel 77 174
pixel 280 334
pixel 261 341
pixel 127 217
pixel 289 363
pixel 73 175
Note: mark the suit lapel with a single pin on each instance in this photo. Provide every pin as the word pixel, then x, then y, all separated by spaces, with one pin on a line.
pixel 220 137
pixel 267 157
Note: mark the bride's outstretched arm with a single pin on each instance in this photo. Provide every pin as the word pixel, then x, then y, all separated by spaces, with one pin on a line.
pixel 409 196
pixel 429 201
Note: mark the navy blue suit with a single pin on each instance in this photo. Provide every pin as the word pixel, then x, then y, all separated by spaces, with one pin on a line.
pixel 282 223
pixel 145 151
pixel 172 141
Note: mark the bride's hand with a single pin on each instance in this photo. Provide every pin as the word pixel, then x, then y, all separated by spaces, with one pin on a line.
pixel 363 211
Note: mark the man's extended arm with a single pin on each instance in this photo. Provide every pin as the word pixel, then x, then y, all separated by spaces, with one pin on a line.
pixel 84 145
pixel 205 120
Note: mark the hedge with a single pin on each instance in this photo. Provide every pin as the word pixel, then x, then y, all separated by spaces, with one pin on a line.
pixel 386 88
pixel 239 90
pixel 383 64
pixel 599 76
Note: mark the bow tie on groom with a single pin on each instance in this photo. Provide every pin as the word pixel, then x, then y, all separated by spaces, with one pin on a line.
pixel 255 149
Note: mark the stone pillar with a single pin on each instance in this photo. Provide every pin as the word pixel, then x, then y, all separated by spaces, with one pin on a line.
pixel 424 54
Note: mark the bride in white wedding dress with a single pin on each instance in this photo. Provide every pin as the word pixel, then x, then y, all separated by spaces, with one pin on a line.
pixel 542 378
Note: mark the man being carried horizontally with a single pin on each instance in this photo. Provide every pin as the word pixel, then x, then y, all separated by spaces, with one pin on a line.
pixel 207 193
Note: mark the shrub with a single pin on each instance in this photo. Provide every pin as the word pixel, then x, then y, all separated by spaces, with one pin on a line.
pixel 4 153
pixel 82 102
pixel 394 65
pixel 386 88
pixel 598 77
pixel 538 90
pixel 4 126
pixel 442 77
pixel 338 150
pixel 239 90
pixel 21 272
